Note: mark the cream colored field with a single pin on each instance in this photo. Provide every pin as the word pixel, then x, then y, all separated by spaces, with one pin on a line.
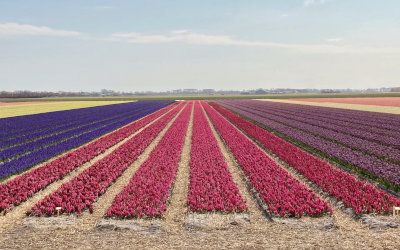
pixel 42 107
pixel 371 108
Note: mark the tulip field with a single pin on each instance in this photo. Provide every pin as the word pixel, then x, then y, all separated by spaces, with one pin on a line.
pixel 132 161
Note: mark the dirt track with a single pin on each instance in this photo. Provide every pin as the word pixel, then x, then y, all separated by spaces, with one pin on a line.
pixel 271 235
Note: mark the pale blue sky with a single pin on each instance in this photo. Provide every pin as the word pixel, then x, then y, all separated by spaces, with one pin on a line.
pixel 222 44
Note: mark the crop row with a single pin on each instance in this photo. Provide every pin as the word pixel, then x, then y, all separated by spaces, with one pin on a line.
pixel 21 126
pixel 211 187
pixel 148 191
pixel 372 124
pixel 371 142
pixel 81 192
pixel 283 194
pixel 24 186
pixel 48 140
pixel 27 128
pixel 354 193
pixel 24 162
pixel 372 128
pixel 387 171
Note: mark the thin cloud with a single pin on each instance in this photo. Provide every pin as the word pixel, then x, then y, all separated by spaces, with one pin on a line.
pixel 193 38
pixel 308 3
pixel 334 40
pixel 16 29
pixel 104 7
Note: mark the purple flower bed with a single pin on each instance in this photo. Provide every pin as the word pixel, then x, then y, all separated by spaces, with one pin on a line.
pixel 24 162
pixel 44 140
pixel 17 130
pixel 369 130
pixel 389 172
pixel 328 131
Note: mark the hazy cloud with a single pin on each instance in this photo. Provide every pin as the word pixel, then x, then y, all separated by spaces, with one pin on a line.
pixel 189 37
pixel 315 2
pixel 16 29
pixel 104 7
pixel 334 40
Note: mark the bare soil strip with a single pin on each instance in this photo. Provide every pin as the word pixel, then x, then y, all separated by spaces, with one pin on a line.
pixel 87 220
pixel 254 210
pixel 9 178
pixel 15 216
pixel 177 209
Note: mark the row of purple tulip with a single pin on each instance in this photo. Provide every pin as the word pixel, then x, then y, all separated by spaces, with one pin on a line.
pixel 387 171
pixel 24 162
pixel 341 135
pixel 44 140
pixel 22 129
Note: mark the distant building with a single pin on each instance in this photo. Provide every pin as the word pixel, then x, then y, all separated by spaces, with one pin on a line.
pixel 397 89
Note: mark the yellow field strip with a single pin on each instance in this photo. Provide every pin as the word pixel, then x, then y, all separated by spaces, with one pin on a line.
pixel 43 107
pixel 371 108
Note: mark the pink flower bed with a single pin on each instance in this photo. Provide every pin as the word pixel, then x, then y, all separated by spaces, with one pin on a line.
pixel 280 192
pixel 211 185
pixel 359 195
pixel 148 191
pixel 81 192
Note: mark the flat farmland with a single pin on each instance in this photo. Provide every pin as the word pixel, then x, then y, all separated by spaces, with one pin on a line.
pixel 196 174
pixel 376 101
pixel 390 105
pixel 10 109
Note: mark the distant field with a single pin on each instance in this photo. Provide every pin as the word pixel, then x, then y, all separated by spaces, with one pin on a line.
pixel 361 107
pixel 377 101
pixel 9 109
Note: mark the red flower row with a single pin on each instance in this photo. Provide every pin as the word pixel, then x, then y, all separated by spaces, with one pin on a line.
pixel 359 195
pixel 24 186
pixel 281 193
pixel 148 191
pixel 81 192
pixel 211 185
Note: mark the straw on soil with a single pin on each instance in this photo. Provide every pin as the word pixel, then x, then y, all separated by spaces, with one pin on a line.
pixel 177 209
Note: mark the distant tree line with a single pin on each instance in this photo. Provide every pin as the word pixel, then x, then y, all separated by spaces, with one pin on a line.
pixel 182 92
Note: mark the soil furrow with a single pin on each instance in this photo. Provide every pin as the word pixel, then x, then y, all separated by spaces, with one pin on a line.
pixel 177 209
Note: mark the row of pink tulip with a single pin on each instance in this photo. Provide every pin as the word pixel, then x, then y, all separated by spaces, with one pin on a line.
pixel 148 191
pixel 81 192
pixel 359 195
pixel 211 185
pixel 279 191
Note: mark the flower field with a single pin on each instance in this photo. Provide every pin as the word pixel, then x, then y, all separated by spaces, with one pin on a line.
pixel 211 186
pixel 131 161
pixel 28 140
pixel 375 154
